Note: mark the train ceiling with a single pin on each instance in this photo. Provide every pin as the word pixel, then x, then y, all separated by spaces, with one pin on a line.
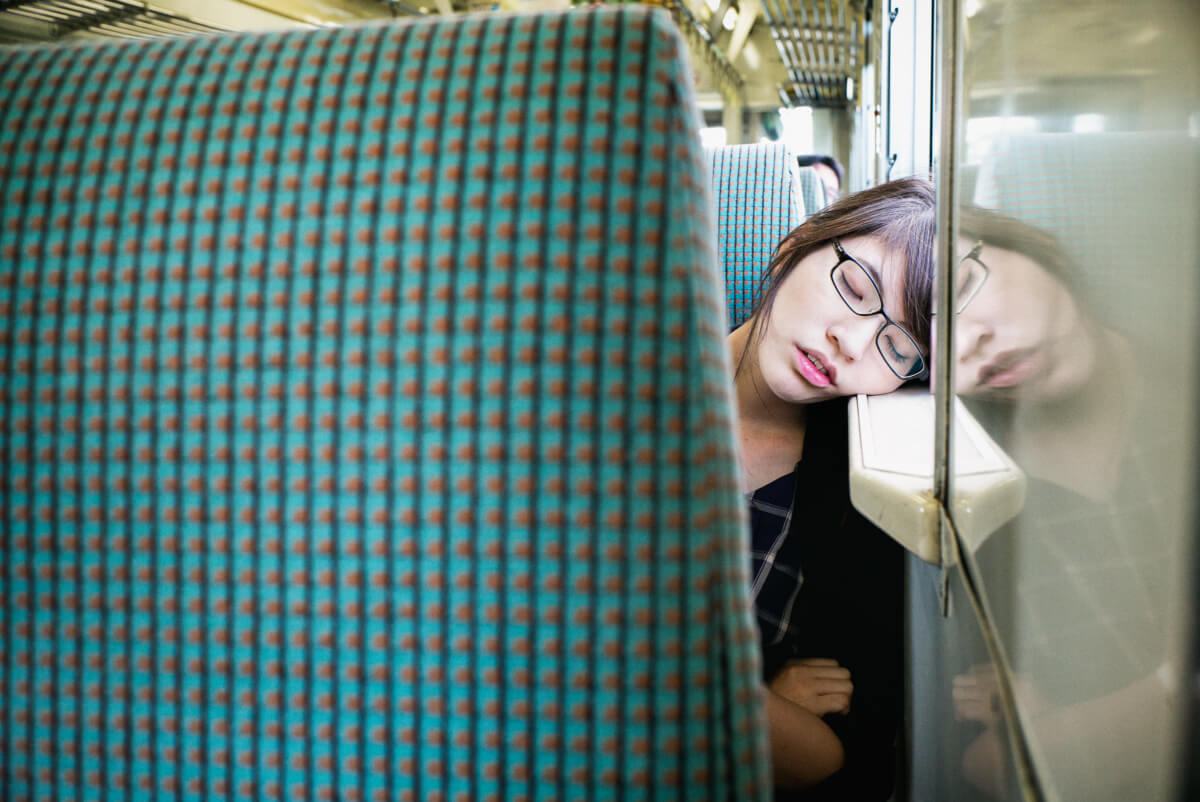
pixel 822 44
pixel 763 52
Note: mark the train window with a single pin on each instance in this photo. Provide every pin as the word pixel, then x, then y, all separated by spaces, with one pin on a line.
pixel 1057 674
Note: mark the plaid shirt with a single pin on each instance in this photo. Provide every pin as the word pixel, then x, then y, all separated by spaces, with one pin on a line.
pixel 800 523
pixel 776 573
pixel 826 583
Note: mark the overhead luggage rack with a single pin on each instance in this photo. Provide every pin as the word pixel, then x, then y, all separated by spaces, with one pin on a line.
pixel 822 45
pixel 33 20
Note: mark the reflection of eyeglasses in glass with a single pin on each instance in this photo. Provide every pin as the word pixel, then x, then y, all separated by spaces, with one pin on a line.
pixel 857 287
pixel 971 275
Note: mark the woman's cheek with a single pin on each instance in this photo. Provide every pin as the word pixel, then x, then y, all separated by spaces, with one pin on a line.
pixel 881 383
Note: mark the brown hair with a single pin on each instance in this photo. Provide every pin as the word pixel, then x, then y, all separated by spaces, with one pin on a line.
pixel 901 213
pixel 1010 234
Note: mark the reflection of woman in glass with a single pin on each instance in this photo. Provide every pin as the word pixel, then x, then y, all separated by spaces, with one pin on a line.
pixel 1073 581
pixel 845 310
pixel 1020 333
pixel 1024 340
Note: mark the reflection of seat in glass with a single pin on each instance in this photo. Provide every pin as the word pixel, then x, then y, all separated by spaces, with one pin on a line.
pixel 1079 583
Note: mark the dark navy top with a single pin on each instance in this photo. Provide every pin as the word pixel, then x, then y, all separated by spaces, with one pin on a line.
pixel 828 583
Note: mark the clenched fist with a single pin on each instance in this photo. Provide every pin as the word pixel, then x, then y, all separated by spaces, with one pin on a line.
pixel 818 684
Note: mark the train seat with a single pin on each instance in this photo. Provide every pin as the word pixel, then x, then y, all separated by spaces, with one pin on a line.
pixel 365 421
pixel 1063 183
pixel 812 191
pixel 760 194
pixel 757 194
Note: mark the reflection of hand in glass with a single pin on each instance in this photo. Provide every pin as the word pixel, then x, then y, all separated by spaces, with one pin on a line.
pixel 976 694
pixel 1107 745
pixel 984 762
pixel 817 684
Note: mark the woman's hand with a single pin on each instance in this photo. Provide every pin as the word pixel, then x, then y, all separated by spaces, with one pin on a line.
pixel 818 684
pixel 976 695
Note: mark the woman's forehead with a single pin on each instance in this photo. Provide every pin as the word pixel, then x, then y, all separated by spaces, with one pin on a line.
pixel 885 264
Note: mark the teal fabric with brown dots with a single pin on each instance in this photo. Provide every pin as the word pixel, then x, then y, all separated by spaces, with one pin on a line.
pixel 812 191
pixel 365 424
pixel 758 201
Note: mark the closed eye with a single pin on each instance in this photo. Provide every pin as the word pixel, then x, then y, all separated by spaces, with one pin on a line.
pixel 847 287
pixel 898 348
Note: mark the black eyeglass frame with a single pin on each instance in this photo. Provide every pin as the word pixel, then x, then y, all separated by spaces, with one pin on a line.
pixel 844 257
pixel 973 255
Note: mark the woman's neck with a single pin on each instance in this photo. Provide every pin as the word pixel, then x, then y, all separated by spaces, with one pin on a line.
pixel 755 400
pixel 1078 441
pixel 770 431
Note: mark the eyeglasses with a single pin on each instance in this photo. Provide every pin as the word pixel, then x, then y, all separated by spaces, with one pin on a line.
pixel 971 275
pixel 858 289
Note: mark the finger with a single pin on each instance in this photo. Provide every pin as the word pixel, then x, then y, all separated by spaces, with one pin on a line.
pixel 789 689
pixel 968 692
pixel 832 703
pixel 816 661
pixel 831 686
pixel 811 686
pixel 823 671
pixel 799 684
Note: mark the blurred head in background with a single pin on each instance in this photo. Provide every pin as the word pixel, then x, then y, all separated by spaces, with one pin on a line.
pixel 829 170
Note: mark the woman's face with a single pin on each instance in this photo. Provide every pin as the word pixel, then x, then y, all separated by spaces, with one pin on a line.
pixel 1022 334
pixel 812 346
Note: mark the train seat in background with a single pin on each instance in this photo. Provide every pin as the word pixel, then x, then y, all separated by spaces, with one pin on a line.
pixel 760 194
pixel 365 421
pixel 756 190
pixel 1080 188
pixel 812 191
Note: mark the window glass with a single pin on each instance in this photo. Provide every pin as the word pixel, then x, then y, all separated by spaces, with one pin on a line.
pixel 1077 353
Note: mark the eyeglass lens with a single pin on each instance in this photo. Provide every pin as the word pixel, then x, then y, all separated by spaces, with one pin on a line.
pixel 857 289
pixel 861 294
pixel 971 275
pixel 899 351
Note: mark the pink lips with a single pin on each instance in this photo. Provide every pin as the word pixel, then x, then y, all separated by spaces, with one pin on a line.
pixel 810 372
pixel 1011 368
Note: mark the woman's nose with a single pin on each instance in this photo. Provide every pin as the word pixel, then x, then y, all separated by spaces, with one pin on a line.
pixel 971 338
pixel 853 338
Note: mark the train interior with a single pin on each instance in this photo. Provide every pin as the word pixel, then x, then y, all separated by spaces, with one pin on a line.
pixel 367 423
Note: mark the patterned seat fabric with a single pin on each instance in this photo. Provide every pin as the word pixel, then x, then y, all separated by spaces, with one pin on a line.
pixel 365 429
pixel 761 194
pixel 758 200
pixel 812 191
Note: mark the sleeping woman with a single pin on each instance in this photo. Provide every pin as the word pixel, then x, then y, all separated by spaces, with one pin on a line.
pixel 844 309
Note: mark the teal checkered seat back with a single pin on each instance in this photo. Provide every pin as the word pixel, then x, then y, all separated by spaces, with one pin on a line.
pixel 758 199
pixel 812 191
pixel 1084 189
pixel 365 428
